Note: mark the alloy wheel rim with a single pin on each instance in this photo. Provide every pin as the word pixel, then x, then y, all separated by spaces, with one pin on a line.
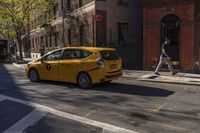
pixel 33 75
pixel 84 80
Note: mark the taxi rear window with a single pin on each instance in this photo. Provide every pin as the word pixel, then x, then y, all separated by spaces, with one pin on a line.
pixel 110 55
pixel 84 54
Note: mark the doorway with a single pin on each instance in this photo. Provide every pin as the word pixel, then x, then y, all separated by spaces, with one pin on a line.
pixel 170 27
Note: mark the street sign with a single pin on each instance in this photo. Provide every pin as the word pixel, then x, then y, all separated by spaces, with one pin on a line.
pixel 98 18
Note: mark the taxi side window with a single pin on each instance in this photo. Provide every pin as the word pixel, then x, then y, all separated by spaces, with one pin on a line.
pixel 75 54
pixel 53 56
pixel 71 54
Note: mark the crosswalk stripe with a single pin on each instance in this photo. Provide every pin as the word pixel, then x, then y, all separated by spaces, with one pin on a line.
pixel 107 128
pixel 27 121
pixel 2 99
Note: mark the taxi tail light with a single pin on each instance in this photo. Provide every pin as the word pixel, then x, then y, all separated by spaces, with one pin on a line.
pixel 100 62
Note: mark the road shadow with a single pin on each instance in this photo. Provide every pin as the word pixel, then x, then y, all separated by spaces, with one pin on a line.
pixel 132 89
pixel 11 111
pixel 118 88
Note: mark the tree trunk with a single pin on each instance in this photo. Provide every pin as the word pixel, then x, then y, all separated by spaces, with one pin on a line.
pixel 20 45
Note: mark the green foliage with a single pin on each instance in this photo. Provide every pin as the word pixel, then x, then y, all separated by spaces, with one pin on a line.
pixel 17 13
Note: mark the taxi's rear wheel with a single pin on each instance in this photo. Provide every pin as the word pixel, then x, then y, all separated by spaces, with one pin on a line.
pixel 33 75
pixel 84 80
pixel 107 82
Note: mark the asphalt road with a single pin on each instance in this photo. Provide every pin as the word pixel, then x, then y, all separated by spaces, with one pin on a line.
pixel 123 105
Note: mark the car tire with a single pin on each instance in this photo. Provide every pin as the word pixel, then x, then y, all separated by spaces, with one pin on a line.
pixel 84 80
pixel 33 75
pixel 107 82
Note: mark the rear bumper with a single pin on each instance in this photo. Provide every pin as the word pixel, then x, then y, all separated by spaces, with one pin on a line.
pixel 112 75
pixel 99 76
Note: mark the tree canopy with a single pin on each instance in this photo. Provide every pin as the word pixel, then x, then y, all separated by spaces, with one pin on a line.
pixel 16 13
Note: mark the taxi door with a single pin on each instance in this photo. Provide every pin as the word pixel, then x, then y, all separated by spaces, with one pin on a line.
pixel 69 65
pixel 49 66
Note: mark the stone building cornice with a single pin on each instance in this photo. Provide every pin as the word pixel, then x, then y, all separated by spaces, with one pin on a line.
pixel 77 12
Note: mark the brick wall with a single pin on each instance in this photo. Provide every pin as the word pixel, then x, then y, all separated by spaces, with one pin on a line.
pixel 152 16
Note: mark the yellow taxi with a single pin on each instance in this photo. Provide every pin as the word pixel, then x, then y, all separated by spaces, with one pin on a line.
pixel 82 65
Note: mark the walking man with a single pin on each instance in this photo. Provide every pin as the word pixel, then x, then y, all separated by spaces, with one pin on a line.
pixel 164 58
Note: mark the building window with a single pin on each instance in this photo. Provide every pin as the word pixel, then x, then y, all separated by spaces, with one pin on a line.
pixel 55 10
pixel 80 3
pixel 65 4
pixel 56 38
pixel 36 43
pixel 50 40
pixel 122 2
pixel 46 41
pixel 69 36
pixel 81 34
pixel 41 44
pixel 122 32
pixel 62 5
pixel 33 43
pixel 42 40
pixel 45 17
pixel 35 24
pixel 68 4
pixel 32 25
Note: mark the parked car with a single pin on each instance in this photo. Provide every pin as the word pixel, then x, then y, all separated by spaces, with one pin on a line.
pixel 82 65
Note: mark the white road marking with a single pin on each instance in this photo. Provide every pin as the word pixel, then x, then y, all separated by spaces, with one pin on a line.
pixel 107 128
pixel 2 99
pixel 88 114
pixel 27 121
pixel 107 131
pixel 164 104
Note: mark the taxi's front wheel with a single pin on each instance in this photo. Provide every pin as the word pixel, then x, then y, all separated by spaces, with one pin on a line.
pixel 84 81
pixel 33 75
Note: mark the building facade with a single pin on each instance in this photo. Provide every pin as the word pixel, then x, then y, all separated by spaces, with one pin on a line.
pixel 99 23
pixel 180 21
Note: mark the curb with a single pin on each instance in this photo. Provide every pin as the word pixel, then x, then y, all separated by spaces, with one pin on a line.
pixel 129 76
pixel 180 83
pixel 18 66
pixel 193 82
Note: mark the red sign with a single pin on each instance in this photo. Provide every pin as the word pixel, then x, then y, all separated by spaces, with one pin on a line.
pixel 98 18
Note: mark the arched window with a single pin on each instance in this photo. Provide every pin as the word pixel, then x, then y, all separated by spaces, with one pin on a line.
pixel 170 27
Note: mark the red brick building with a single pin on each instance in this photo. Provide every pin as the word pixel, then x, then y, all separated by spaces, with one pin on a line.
pixel 177 19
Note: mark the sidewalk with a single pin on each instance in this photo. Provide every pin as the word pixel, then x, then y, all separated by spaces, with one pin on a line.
pixel 22 66
pixel 165 77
